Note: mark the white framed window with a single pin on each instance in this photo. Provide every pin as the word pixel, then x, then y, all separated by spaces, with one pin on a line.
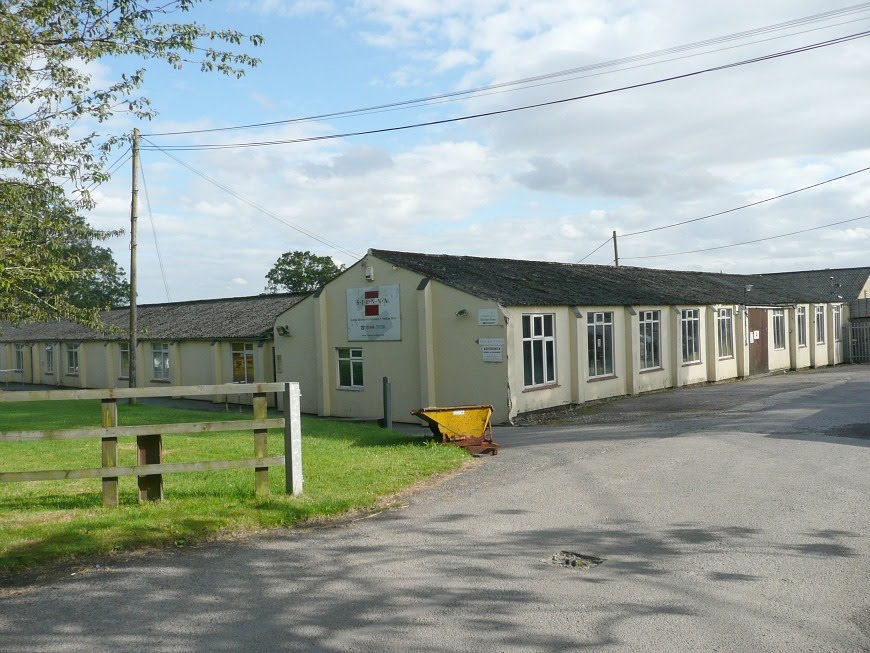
pixel 19 358
pixel 820 325
pixel 725 332
pixel 650 340
pixel 72 358
pixel 600 332
pixel 350 368
pixel 539 350
pixel 243 362
pixel 838 324
pixel 124 360
pixel 690 323
pixel 49 359
pixel 801 313
pixel 779 328
pixel 160 361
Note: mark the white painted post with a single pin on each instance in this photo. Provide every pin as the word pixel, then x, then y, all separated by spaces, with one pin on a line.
pixel 292 439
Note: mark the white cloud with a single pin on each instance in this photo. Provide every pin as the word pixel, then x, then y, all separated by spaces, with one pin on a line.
pixel 549 183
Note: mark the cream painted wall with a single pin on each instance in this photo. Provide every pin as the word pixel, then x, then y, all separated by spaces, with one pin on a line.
pixel 654 379
pixel 296 354
pixel 197 367
pixel 800 354
pixel 438 360
pixel 601 387
pixel 778 359
pixel 318 328
pixel 689 373
pixel 559 393
pixel 818 351
pixel 460 374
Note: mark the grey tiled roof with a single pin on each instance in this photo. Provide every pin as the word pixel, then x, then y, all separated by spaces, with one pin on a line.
pixel 208 319
pixel 539 283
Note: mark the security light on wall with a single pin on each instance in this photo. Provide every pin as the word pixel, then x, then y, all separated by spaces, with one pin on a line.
pixel 462 312
pixel 370 273
pixel 283 330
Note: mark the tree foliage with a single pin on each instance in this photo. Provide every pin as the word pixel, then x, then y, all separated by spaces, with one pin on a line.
pixel 53 129
pixel 300 271
pixel 49 264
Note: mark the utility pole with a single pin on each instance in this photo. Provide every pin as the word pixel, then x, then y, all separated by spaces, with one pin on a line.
pixel 615 251
pixel 134 218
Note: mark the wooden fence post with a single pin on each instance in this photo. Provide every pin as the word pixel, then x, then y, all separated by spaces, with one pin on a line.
pixel 110 452
pixel 149 451
pixel 292 439
pixel 261 448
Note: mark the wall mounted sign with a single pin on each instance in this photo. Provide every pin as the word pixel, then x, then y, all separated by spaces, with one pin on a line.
pixel 487 316
pixel 492 350
pixel 373 313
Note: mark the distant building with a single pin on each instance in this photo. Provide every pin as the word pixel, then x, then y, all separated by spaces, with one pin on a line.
pixel 200 342
pixel 526 335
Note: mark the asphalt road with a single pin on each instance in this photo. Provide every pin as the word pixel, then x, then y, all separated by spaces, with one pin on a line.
pixel 730 518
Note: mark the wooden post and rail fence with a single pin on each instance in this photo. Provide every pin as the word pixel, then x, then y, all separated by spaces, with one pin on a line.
pixel 150 467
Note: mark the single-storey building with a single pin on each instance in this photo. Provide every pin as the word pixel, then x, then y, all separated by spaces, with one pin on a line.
pixel 200 342
pixel 530 335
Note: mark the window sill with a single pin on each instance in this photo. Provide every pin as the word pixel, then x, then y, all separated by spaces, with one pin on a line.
pixel 650 370
pixel 779 349
pixel 72 374
pixel 691 363
pixel 596 379
pixel 358 388
pixel 167 381
pixel 726 358
pixel 535 388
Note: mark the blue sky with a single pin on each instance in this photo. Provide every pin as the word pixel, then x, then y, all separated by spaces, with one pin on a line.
pixel 549 183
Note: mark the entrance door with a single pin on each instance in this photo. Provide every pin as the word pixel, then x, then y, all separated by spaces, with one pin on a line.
pixel 758 363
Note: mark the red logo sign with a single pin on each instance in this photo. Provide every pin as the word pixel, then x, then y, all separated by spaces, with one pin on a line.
pixel 371 303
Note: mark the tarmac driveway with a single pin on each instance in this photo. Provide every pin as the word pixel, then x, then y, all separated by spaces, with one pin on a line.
pixel 729 518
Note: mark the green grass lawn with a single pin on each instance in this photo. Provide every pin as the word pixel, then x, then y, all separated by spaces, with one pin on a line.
pixel 346 466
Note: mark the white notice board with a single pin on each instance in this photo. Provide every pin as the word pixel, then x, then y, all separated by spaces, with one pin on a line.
pixel 492 350
pixel 374 313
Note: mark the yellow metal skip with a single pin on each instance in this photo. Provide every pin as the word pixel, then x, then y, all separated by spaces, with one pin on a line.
pixel 466 426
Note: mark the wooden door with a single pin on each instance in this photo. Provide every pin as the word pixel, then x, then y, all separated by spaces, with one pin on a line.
pixel 758 363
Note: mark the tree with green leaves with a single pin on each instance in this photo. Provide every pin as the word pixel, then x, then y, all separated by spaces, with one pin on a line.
pixel 53 129
pixel 50 266
pixel 300 271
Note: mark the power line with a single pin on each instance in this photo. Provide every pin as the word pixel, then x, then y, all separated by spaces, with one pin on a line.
pixel 748 242
pixel 596 249
pixel 154 233
pixel 767 57
pixel 528 82
pixel 256 206
pixel 745 206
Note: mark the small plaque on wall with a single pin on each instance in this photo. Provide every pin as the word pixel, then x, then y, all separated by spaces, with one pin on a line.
pixel 487 316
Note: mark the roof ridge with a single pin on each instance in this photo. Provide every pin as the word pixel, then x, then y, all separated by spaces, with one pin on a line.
pixel 188 302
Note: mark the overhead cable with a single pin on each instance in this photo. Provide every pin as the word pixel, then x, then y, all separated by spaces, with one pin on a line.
pixel 596 249
pixel 154 233
pixel 537 105
pixel 530 82
pixel 744 206
pixel 746 242
pixel 258 207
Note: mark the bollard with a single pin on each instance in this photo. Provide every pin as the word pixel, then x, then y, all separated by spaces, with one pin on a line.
pixel 388 404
